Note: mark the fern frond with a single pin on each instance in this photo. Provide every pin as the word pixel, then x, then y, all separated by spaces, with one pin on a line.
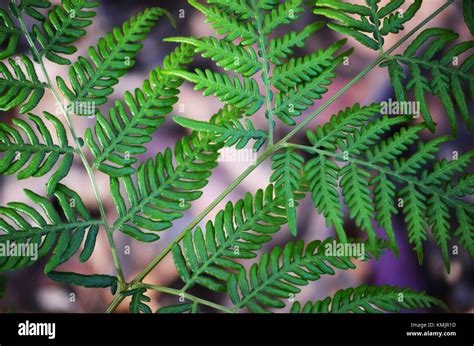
pixel 370 299
pixel 357 198
pixel 230 133
pixel 322 174
pixel 33 7
pixel 292 103
pixel 164 190
pixel 94 280
pixel 465 230
pixel 20 89
pixel 58 232
pixel 91 82
pixel 9 35
pixel 226 24
pixel 239 8
pixel 446 81
pixel 345 122
pixel 287 168
pixel 374 22
pixel 303 69
pixel 279 275
pixel 37 155
pixel 281 47
pixel 138 301
pixel 122 136
pixel 64 26
pixel 375 178
pixel 231 91
pixel 285 14
pixel 238 232
pixel 229 56
pixel 179 308
pixel 468 10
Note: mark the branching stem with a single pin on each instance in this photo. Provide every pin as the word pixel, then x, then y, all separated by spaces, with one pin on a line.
pixel 190 297
pixel 80 152
pixel 271 149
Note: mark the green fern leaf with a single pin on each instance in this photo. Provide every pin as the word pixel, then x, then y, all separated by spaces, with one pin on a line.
pixel 322 174
pixel 123 136
pixel 438 218
pixel 226 24
pixel 9 35
pixel 92 82
pixel 33 8
pixel 38 155
pixel 296 100
pixel 345 122
pixel 230 133
pixel 286 176
pixel 443 170
pixel 239 8
pixel 384 200
pixel 370 299
pixel 64 26
pixel 95 281
pixel 138 301
pixel 446 82
pixel 373 21
pixel 382 167
pixel 61 233
pixel 227 55
pixel 164 190
pixel 179 309
pixel 238 232
pixel 468 9
pixel 465 230
pixel 281 47
pixel 357 198
pixel 21 89
pixel 303 69
pixel 279 274
pixel 284 14
pixel 231 91
pixel 415 217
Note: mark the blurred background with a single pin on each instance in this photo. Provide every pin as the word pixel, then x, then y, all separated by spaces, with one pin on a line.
pixel 29 290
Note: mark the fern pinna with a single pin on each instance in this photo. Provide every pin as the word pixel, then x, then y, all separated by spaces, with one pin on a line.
pixel 364 164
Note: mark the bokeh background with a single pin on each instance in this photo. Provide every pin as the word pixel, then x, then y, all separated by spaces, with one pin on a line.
pixel 28 290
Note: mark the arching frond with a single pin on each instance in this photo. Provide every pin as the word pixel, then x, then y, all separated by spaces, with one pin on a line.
pixel 64 26
pixel 58 231
pixel 29 155
pixel 92 81
pixel 122 136
pixel 18 89
pixel 370 299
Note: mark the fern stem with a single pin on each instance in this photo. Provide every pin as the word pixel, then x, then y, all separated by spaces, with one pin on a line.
pixel 190 297
pixel 277 146
pixel 204 213
pixel 77 142
pixel 365 71
pixel 265 72
pixel 408 179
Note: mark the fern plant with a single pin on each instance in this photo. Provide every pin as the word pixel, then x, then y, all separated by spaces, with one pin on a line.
pixel 362 164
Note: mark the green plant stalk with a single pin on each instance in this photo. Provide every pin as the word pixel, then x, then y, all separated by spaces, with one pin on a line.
pixel 119 298
pixel 190 297
pixel 77 142
pixel 265 73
